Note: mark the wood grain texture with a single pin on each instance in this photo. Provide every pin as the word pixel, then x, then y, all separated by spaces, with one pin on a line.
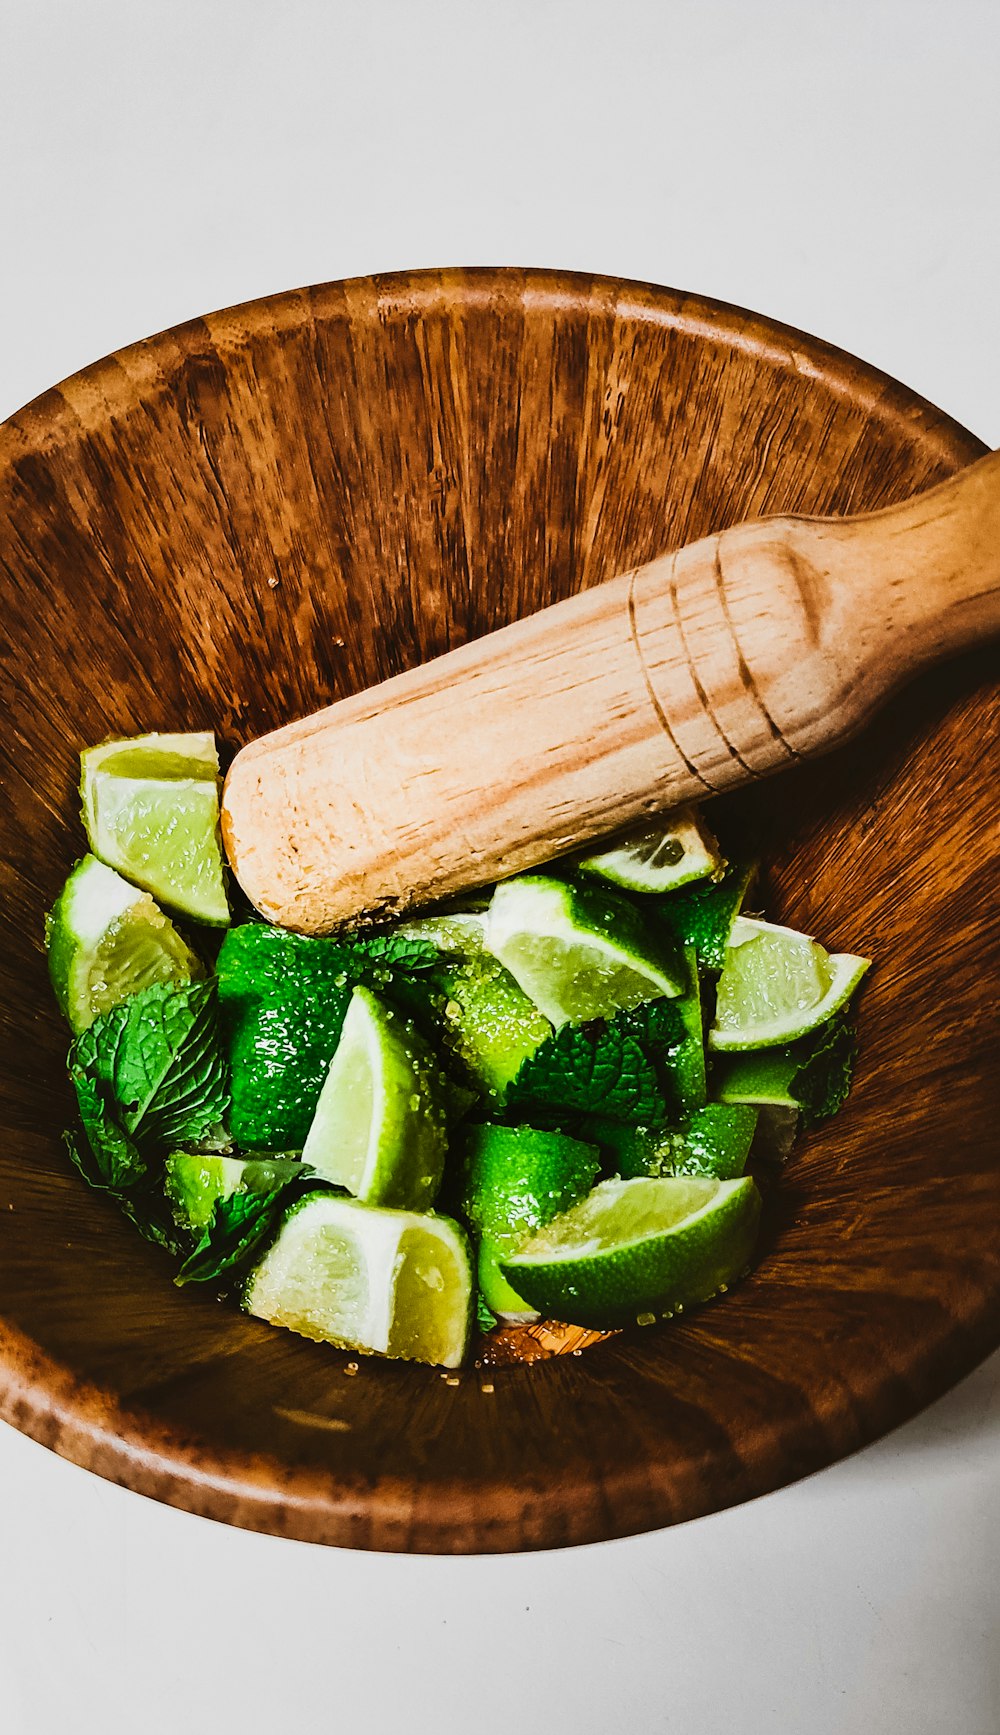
pixel 710 666
pixel 247 518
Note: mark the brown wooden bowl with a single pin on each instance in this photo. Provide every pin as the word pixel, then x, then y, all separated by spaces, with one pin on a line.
pixel 241 520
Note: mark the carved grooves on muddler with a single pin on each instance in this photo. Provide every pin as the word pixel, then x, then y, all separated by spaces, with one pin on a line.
pixel 745 672
pixel 697 674
pixel 654 700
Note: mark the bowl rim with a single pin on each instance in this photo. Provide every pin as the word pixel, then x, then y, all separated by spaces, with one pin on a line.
pixel 85 399
pixel 87 1424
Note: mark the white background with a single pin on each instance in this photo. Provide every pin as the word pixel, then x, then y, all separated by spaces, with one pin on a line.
pixel 835 165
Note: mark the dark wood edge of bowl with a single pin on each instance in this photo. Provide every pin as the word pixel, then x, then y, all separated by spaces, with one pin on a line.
pixel 88 397
pixel 78 1421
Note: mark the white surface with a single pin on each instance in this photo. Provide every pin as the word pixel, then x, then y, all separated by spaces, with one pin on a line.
pixel 834 165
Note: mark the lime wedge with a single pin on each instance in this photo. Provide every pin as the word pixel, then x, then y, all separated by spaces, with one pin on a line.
pixel 151 810
pixel 637 1249
pixel 106 940
pixel 762 1076
pixel 715 1140
pixel 777 985
pixel 383 1282
pixel 194 1184
pixel 688 1076
pixel 679 848
pixel 379 1126
pixel 516 1180
pixel 489 1022
pixel 702 915
pixel 813 1075
pixel 579 952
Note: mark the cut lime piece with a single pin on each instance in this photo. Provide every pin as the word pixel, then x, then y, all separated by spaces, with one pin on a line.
pixel 715 1141
pixel 702 915
pixel 151 810
pixel 778 985
pixel 502 1300
pixel 762 1076
pixel 195 1184
pixel 106 940
pixel 515 1180
pixel 812 1075
pixel 489 1022
pixel 674 851
pixel 579 952
pixel 639 1248
pixel 283 998
pixel 383 1282
pixel 379 1129
pixel 687 1063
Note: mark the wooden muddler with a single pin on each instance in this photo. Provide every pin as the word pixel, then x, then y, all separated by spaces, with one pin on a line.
pixel 718 663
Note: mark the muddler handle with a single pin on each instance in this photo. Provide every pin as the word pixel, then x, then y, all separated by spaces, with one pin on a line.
pixel 718 663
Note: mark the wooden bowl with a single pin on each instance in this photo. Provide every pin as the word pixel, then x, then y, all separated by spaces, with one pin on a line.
pixel 243 519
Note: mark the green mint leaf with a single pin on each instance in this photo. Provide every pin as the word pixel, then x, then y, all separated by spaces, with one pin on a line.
pixel 109 1161
pixel 821 1083
pixel 237 1227
pixel 669 1034
pixel 158 1057
pixel 600 1069
pixel 486 1319
pixel 658 1026
pixel 394 952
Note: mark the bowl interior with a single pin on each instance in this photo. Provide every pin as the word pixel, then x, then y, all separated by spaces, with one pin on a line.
pixel 248 517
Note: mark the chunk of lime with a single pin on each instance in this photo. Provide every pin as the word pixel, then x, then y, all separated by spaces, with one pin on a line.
pixel 379 1129
pixel 660 857
pixel 384 1282
pixel 151 811
pixel 515 1180
pixel 777 985
pixel 579 952
pixel 195 1183
pixel 637 1249
pixel 106 940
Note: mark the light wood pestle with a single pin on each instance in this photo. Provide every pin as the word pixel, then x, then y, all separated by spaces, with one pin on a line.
pixel 721 662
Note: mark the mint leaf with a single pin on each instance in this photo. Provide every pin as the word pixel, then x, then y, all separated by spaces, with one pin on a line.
pixel 486 1319
pixel 159 1059
pixel 241 1228
pixel 393 952
pixel 669 1034
pixel 821 1083
pixel 600 1069
pixel 659 1026
pixel 109 1161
